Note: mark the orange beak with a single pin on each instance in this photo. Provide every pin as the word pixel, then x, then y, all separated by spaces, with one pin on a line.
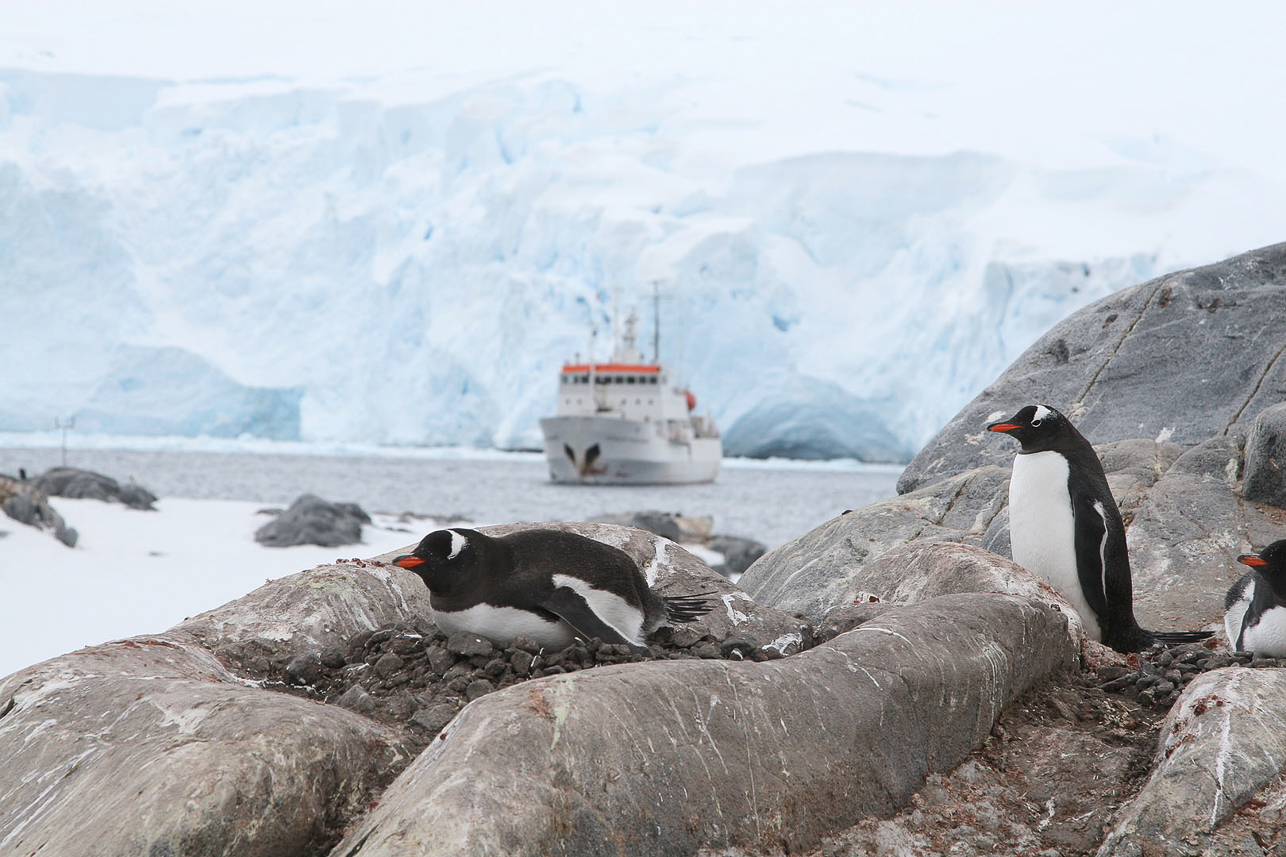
pixel 408 561
pixel 1252 560
pixel 1003 426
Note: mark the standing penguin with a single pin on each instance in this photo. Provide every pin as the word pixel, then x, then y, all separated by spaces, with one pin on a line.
pixel 1255 609
pixel 1064 526
pixel 548 585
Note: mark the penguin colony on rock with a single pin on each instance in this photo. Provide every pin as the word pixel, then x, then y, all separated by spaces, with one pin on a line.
pixel 554 587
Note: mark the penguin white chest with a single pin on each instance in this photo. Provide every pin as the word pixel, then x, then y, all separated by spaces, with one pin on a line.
pixel 1042 528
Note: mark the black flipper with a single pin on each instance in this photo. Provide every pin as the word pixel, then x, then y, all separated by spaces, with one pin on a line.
pixel 572 608
pixel 1090 540
pixel 687 608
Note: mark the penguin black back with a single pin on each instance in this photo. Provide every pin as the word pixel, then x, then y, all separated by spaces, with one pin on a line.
pixel 1065 526
pixel 497 585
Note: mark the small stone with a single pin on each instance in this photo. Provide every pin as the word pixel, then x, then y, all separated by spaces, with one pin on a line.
pixel 738 648
pixel 552 671
pixel 305 669
pixel 521 662
pixel 380 636
pixel 496 668
pixel 388 664
pixel 708 651
pixel 405 644
pixel 440 660
pixel 333 658
pixel 402 705
pixel 527 645
pixel 684 638
pixel 477 688
pixel 357 699
pixel 470 645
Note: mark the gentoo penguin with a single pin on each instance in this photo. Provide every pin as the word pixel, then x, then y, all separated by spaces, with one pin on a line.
pixel 548 585
pixel 1064 526
pixel 1255 609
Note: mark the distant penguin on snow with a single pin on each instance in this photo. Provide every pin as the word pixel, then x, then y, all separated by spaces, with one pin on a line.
pixel 1065 527
pixel 1255 609
pixel 548 585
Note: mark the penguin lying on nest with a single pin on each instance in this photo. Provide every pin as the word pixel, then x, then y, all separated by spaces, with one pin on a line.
pixel 1255 609
pixel 548 585
pixel 1064 527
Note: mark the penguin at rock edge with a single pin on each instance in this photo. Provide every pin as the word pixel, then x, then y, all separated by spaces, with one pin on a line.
pixel 1064 526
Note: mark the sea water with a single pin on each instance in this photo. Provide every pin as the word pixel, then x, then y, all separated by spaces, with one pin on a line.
pixel 769 501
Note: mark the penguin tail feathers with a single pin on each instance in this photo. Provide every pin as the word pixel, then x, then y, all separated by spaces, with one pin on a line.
pixel 1174 638
pixel 687 608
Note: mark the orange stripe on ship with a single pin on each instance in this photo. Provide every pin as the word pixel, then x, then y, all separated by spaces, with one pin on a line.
pixel 612 367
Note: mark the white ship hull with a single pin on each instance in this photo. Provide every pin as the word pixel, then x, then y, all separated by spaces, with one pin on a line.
pixel 613 451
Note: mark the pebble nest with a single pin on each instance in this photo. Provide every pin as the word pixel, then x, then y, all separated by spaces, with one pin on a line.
pixel 417 679
pixel 1156 677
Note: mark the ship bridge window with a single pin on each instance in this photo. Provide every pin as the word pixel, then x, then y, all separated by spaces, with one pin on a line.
pixel 631 380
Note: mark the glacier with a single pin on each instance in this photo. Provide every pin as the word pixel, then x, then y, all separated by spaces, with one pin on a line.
pixel 268 256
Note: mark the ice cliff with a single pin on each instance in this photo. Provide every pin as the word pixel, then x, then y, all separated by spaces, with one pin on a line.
pixel 259 257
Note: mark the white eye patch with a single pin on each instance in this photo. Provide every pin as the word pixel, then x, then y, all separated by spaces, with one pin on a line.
pixel 1041 413
pixel 458 543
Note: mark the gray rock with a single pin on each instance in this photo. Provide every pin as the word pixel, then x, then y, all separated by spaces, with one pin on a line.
pixel 1185 535
pixel 86 484
pixel 738 553
pixel 662 523
pixel 717 754
pixel 1266 457
pixel 314 610
pixel 1139 364
pixel 811 574
pixel 310 520
pixel 1222 743
pixel 149 746
pixel 27 504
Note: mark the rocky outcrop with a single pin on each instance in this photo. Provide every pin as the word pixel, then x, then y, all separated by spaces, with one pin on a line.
pixel 1222 745
pixel 665 759
pixel 310 520
pixel 152 745
pixel 86 484
pixel 1184 358
pixel 1186 523
pixel 25 503
pixel 821 569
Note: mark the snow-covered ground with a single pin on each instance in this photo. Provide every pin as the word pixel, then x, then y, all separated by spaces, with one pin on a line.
pixel 389 222
pixel 135 572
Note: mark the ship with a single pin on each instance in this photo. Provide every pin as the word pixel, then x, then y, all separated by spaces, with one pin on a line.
pixel 628 422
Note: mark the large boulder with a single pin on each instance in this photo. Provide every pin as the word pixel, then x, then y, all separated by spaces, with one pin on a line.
pixel 86 484
pixel 151 746
pixel 1223 743
pixel 1184 358
pixel 668 758
pixel 814 572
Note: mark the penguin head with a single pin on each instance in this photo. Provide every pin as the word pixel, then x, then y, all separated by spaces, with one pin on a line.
pixel 1270 562
pixel 1037 428
pixel 443 558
